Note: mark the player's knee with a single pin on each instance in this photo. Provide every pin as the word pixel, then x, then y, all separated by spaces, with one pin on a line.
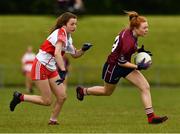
pixel 107 92
pixel 146 88
pixel 47 101
pixel 62 98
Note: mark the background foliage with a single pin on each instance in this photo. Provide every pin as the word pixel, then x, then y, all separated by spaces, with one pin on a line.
pixel 92 6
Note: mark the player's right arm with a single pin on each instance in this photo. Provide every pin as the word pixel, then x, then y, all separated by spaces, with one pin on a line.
pixel 128 65
pixel 140 66
pixel 58 56
pixel 60 61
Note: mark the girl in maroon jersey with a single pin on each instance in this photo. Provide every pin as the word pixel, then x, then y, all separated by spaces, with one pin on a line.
pixel 44 71
pixel 119 65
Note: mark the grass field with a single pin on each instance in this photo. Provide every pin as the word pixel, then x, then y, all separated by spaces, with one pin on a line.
pixel 121 112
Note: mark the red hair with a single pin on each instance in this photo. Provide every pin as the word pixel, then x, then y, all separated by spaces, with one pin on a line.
pixel 135 19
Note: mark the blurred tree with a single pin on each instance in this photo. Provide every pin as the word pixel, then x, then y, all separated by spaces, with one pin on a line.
pixel 92 6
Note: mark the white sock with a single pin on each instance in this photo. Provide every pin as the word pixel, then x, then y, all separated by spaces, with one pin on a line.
pixel 52 119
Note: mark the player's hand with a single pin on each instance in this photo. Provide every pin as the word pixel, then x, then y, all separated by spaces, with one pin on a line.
pixel 86 46
pixel 143 50
pixel 62 75
pixel 143 66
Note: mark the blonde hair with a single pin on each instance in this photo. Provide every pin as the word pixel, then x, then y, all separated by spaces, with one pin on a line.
pixel 135 19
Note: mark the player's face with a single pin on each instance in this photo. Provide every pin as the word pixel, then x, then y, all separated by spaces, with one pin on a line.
pixel 29 49
pixel 142 30
pixel 71 25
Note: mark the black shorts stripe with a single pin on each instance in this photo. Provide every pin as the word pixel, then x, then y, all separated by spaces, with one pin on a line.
pixel 106 70
pixel 112 73
pixel 108 75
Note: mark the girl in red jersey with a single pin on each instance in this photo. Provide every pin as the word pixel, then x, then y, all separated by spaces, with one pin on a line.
pixel 27 61
pixel 44 72
pixel 119 65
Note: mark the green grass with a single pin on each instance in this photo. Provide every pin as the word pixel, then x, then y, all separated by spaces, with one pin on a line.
pixel 17 32
pixel 122 112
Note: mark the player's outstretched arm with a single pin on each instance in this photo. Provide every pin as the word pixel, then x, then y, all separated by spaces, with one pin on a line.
pixel 80 52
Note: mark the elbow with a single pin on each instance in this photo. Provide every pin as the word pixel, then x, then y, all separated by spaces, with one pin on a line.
pixel 56 54
pixel 122 63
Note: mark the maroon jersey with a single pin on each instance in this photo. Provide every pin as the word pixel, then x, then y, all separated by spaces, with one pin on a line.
pixel 124 46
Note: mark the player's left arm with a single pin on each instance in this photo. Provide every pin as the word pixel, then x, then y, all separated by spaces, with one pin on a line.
pixel 80 52
pixel 141 49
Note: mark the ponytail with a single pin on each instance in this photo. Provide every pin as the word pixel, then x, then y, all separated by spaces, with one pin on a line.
pixel 132 14
pixel 135 19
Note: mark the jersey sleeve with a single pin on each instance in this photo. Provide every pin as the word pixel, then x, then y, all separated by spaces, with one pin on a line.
pixel 71 49
pixel 62 36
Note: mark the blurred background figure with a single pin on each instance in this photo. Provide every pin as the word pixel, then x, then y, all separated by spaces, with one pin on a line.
pixel 74 6
pixel 67 67
pixel 27 61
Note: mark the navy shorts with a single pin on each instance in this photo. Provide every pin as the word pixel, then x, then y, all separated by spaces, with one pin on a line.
pixel 112 73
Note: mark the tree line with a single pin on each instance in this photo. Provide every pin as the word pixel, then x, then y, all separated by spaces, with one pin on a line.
pixel 92 6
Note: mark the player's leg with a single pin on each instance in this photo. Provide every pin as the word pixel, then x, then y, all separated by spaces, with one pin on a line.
pixel 45 90
pixel 110 75
pixel 44 99
pixel 39 73
pixel 139 81
pixel 65 82
pixel 136 78
pixel 60 93
pixel 105 90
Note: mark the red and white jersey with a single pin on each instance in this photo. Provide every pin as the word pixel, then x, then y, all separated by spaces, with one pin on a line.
pixel 27 61
pixel 46 51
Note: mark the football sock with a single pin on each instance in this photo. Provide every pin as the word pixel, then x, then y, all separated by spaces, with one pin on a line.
pixel 152 118
pixel 149 112
pixel 22 97
pixel 52 119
